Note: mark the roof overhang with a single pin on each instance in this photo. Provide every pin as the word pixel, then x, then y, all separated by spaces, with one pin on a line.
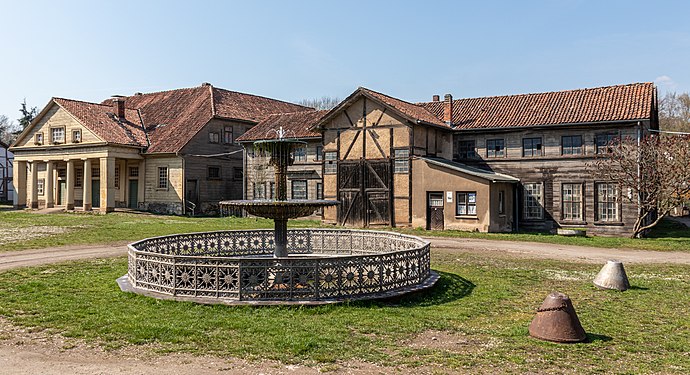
pixel 476 172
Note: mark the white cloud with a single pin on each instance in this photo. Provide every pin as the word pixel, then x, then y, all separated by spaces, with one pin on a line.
pixel 665 82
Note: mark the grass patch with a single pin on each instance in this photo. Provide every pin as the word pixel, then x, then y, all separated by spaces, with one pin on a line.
pixel 87 229
pixel 666 236
pixel 482 306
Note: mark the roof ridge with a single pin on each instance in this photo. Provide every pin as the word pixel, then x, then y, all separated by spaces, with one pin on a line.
pixel 311 110
pixel 260 96
pixel 92 103
pixel 541 93
pixel 165 91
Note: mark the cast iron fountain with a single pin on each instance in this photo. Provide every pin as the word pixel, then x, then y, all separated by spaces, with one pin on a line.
pixel 299 266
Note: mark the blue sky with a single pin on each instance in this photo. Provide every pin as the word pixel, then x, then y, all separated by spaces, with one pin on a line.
pixel 293 50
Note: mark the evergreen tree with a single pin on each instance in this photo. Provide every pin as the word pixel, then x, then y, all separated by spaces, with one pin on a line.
pixel 28 115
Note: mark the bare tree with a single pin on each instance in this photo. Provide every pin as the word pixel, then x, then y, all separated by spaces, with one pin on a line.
pixel 8 130
pixel 674 112
pixel 325 102
pixel 653 174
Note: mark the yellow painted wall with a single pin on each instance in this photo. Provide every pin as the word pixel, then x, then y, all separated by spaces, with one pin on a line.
pixel 57 117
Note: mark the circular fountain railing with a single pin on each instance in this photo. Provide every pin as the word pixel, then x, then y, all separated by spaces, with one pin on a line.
pixel 324 265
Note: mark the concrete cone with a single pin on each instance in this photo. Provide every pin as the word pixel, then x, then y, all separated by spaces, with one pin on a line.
pixel 612 276
pixel 557 321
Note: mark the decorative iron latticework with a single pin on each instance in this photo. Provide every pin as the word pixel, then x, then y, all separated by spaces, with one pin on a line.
pixel 323 265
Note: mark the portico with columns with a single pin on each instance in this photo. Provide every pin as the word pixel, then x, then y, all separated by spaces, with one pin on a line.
pixel 98 181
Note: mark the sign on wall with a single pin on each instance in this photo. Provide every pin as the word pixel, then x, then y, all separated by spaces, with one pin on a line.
pixel 449 196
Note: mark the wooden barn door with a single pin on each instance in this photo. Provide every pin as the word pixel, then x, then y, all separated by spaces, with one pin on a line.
pixel 434 212
pixel 364 192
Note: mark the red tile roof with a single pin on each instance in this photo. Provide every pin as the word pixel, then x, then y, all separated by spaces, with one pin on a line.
pixel 101 120
pixel 413 111
pixel 611 103
pixel 297 125
pixel 173 117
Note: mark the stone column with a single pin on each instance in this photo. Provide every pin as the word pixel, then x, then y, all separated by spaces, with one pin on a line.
pixel 48 189
pixel 86 185
pixel 19 184
pixel 107 184
pixel 69 194
pixel 34 184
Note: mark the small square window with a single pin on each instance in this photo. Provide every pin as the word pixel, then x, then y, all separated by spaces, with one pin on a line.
pixel 133 171
pixel 299 189
pixel 213 137
pixel 532 147
pixel 76 136
pixel 237 174
pixel 466 204
pixel 495 148
pixel 38 138
pixel 300 154
pixel 214 173
pixel 57 135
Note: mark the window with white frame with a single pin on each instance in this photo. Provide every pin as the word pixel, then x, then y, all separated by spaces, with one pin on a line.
pixel 571 196
pixel 40 186
pixel 57 135
pixel 76 136
pixel 38 138
pixel 466 203
pixel 607 201
pixel 213 137
pixel 299 189
pixel 331 162
pixel 162 177
pixel 532 207
pixel 402 160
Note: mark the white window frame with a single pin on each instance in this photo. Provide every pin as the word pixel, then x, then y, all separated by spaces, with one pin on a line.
pixel 572 201
pixel 57 131
pixel 533 201
pixel 163 180
pixel 465 203
pixel 607 201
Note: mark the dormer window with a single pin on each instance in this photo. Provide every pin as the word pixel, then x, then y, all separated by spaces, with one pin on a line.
pixel 57 135
pixel 38 138
pixel 76 136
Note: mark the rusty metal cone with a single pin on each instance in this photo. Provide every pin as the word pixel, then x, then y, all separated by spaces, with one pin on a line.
pixel 612 276
pixel 557 321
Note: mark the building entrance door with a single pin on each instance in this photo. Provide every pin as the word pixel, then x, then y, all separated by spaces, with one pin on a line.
pixel 62 192
pixel 434 212
pixel 191 196
pixel 133 194
pixel 95 193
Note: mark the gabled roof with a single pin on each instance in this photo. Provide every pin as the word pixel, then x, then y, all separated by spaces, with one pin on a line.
pixel 101 120
pixel 409 111
pixel 601 104
pixel 472 171
pixel 173 117
pixel 296 124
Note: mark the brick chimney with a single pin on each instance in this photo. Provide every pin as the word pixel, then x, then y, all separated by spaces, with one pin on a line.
pixel 435 98
pixel 448 109
pixel 119 106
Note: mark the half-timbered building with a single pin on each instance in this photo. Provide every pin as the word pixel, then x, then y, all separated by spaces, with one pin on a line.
pixel 168 152
pixel 501 163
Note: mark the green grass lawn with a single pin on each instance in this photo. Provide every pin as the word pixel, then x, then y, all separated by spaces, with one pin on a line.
pixel 83 229
pixel 483 303
pixel 99 229
pixel 666 236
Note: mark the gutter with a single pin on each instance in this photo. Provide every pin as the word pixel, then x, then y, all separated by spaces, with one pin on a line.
pixel 632 122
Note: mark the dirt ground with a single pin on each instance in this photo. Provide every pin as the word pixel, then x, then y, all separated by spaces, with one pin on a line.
pixel 26 352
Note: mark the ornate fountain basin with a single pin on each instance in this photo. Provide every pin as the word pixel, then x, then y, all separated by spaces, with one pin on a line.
pixel 237 267
pixel 280 210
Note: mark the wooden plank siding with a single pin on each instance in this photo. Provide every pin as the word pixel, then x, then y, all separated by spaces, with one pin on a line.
pixel 552 169
pixel 200 153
